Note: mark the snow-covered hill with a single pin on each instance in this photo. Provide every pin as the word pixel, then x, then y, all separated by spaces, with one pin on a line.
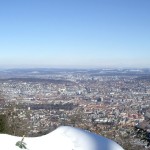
pixel 63 138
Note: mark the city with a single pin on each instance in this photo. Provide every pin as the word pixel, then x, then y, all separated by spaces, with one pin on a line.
pixel 71 66
pixel 109 102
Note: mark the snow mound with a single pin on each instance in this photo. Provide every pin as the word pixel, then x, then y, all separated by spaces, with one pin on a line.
pixel 63 138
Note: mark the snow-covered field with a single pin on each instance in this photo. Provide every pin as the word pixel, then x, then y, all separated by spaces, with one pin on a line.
pixel 63 138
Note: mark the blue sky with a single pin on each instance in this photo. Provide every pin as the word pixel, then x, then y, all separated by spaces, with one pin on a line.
pixel 75 33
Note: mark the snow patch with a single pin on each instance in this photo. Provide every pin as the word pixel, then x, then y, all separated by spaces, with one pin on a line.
pixel 63 138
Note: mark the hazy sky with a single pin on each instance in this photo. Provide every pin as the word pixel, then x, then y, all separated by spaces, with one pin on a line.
pixel 75 33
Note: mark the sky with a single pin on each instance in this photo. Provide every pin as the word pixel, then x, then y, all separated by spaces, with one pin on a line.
pixel 75 33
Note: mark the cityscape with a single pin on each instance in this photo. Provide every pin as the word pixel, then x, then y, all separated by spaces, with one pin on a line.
pixel 76 65
pixel 109 102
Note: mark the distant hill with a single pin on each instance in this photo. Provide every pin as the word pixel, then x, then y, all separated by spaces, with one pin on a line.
pixel 146 77
pixel 37 80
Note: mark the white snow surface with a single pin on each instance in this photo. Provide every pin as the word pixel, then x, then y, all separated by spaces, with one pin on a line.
pixel 63 138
